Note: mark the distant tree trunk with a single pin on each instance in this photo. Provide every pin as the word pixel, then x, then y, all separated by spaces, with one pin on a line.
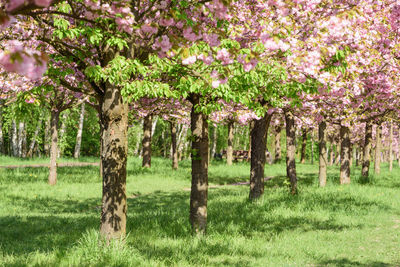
pixel 312 148
pixel 345 155
pixel 61 143
pixel 47 138
pixel 251 125
pixel 34 137
pixel 14 139
pixel 229 150
pixel 332 153
pixel 146 144
pixel 214 142
pixel 291 151
pixel 351 155
pixel 367 150
pixel 303 146
pixel 277 139
pixel 357 156
pixel 78 142
pixel 114 154
pixel 258 147
pixel 181 142
pixel 55 117
pixel 153 125
pixel 391 146
pixel 378 149
pixel 337 154
pixel 2 147
pixel 322 153
pixel 199 189
pixel 174 154
pixel 22 140
pixel 137 146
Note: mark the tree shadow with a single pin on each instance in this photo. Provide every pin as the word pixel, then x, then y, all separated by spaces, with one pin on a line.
pixel 346 262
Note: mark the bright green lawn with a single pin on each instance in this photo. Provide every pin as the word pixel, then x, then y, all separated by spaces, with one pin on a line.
pixel 356 225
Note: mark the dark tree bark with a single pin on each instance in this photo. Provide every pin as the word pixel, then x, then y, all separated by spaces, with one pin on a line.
pixel 114 151
pixel 291 150
pixel 391 146
pixel 323 157
pixel 77 151
pixel 258 148
pixel 378 149
pixel 367 150
pixel 54 119
pixel 199 190
pixel 277 139
pixel 337 153
pixel 345 155
pixel 303 146
pixel 229 150
pixel 146 144
pixel 174 154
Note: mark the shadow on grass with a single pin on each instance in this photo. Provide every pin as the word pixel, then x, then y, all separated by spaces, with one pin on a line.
pixel 346 262
pixel 25 234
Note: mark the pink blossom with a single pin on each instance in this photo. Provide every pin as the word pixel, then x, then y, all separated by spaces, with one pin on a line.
pixel 165 43
pixel 189 60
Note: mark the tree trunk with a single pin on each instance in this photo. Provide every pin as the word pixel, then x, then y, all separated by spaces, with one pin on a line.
pixel 22 140
pixel 378 148
pixel 357 155
pixel 312 148
pixel 229 150
pixel 146 143
pixel 181 142
pixel 2 147
pixel 63 128
pixel 303 146
pixel 78 142
pixel 391 146
pixel 174 154
pixel 199 190
pixel 257 163
pixel 114 154
pixel 345 155
pixel 34 137
pixel 367 150
pixel 291 151
pixel 322 153
pixel 278 151
pixel 153 125
pixel 337 154
pixel 54 119
pixel 332 153
pixel 214 142
pixel 47 137
pixel 137 151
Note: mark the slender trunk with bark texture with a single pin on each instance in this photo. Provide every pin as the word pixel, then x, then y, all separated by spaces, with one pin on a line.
pixel 34 137
pixel 214 142
pixel 199 189
pixel 323 157
pixel 303 146
pixel 312 148
pixel 277 139
pixel 114 154
pixel 357 155
pixel 378 149
pixel 153 125
pixel 63 128
pixel 14 139
pixel 2 147
pixel 331 153
pixel 257 163
pixel 337 154
pixel 174 154
pixel 291 151
pixel 47 137
pixel 391 146
pixel 77 151
pixel 345 155
pixel 146 144
pixel 229 150
pixel 22 140
pixel 55 117
pixel 367 150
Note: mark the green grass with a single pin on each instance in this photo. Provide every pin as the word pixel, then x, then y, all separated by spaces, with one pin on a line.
pixel 355 225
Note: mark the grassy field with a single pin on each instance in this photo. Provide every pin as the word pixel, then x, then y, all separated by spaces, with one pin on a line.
pixel 355 225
